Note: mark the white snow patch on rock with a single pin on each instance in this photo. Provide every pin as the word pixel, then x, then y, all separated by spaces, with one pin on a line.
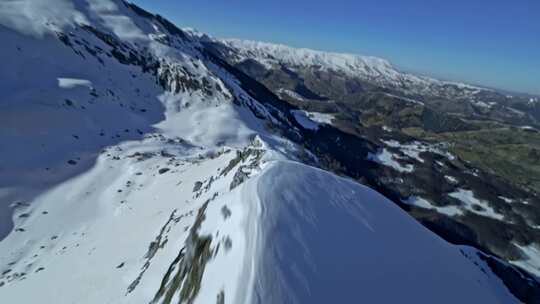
pixel 291 94
pixel 451 179
pixel 423 203
pixel 305 121
pixel 506 199
pixel 532 261
pixel 468 199
pixel 384 157
pixel 323 118
pixel 414 149
pixel 418 202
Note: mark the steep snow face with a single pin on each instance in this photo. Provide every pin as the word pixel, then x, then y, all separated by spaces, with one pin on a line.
pixel 68 94
pixel 325 239
pixel 113 233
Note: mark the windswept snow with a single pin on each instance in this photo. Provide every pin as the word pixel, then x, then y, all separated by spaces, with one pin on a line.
pixel 37 17
pixel 115 18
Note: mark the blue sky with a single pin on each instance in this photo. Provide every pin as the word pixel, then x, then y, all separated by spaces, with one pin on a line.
pixel 493 43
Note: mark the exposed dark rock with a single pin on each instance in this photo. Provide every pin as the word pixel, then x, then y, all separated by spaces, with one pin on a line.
pixel 221 298
pixel 238 178
pixel 158 243
pixel 227 243
pixel 522 285
pixel 189 264
pixel 198 185
pixel 163 170
pixel 226 212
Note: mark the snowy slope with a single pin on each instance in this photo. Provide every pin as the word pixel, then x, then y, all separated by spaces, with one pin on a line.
pixel 136 170
pixel 353 245
pixel 110 121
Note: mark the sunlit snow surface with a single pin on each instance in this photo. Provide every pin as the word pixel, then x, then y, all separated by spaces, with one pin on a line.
pixel 351 244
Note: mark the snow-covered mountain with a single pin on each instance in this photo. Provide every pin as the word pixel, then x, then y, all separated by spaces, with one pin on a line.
pixel 136 167
pixel 308 75
pixel 372 69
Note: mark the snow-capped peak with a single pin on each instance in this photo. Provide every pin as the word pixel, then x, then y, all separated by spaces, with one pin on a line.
pixel 270 54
